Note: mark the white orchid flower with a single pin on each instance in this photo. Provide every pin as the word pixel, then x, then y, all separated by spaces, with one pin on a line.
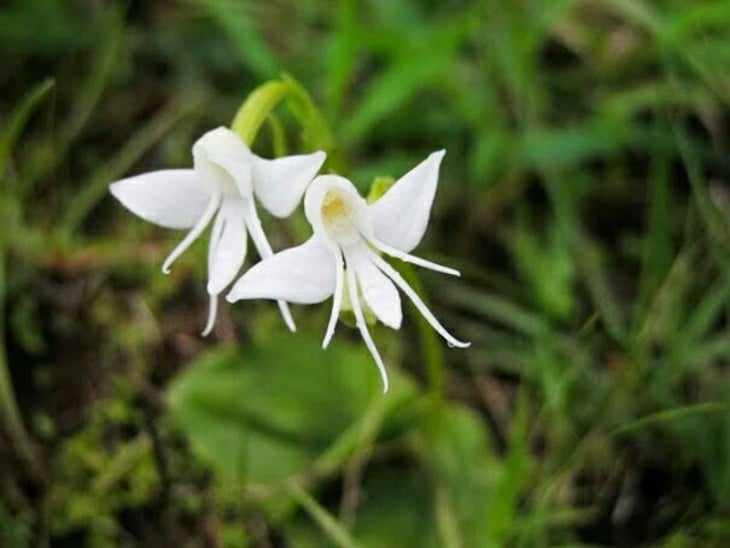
pixel 224 179
pixel 344 251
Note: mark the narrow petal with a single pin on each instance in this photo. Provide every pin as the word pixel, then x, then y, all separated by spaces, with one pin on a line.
pixel 419 304
pixel 212 313
pixel 401 215
pixel 336 300
pixel 304 275
pixel 363 327
pixel 227 249
pixel 264 249
pixel 377 290
pixel 280 184
pixel 173 198
pixel 190 237
pixel 398 254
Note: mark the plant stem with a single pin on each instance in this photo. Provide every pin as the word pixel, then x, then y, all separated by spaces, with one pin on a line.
pixel 431 349
pixel 11 417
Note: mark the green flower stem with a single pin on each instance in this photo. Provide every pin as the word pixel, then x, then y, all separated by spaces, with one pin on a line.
pixel 431 349
pixel 11 417
pixel 259 107
pixel 333 529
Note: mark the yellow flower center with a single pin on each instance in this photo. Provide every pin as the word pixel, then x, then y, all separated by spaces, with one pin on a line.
pixel 339 217
pixel 334 208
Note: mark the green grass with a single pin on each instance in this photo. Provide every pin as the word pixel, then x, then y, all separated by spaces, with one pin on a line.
pixel 584 197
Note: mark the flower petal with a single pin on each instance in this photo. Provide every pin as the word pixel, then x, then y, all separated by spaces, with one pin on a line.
pixel 264 248
pixel 212 313
pixel 173 198
pixel 377 290
pixel 401 214
pixel 221 154
pixel 303 275
pixel 392 273
pixel 336 299
pixel 227 249
pixel 279 184
pixel 362 326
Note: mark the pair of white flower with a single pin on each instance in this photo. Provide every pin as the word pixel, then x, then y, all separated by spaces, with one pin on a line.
pixel 342 254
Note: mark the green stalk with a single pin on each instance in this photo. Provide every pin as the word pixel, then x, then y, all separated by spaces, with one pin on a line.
pixel 431 349
pixel 333 529
pixel 12 419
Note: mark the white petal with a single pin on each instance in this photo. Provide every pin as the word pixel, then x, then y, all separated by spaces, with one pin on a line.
pixel 378 291
pixel 262 246
pixel 221 157
pixel 173 198
pixel 363 327
pixel 416 300
pixel 227 249
pixel 418 261
pixel 212 313
pixel 279 184
pixel 303 275
pixel 213 203
pixel 336 299
pixel 401 214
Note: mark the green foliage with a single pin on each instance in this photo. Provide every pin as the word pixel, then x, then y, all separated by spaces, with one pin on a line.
pixel 264 414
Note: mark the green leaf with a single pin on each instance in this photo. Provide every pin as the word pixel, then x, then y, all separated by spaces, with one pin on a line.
pixel 451 441
pixel 264 414
pixel 18 119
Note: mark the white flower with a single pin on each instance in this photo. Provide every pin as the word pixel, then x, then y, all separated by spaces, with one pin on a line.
pixel 343 253
pixel 224 180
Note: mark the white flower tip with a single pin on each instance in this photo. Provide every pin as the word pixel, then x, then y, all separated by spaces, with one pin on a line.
pixel 438 155
pixel 215 288
pixel 212 313
pixel 232 296
pixel 385 384
pixel 459 344
pixel 165 268
pixel 320 156
pixel 114 189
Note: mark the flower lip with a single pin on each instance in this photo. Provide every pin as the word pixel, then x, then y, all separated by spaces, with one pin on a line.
pixel 335 209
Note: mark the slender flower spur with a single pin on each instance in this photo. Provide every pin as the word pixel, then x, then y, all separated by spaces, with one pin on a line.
pixel 344 253
pixel 224 179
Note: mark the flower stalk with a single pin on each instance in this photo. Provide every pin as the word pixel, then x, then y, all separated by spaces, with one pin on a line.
pixel 12 419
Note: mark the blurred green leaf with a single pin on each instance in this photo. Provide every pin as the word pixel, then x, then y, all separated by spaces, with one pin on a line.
pixel 14 126
pixel 266 414
pixel 237 22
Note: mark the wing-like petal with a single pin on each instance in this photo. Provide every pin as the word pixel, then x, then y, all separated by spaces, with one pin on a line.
pixel 280 184
pixel 173 198
pixel 377 290
pixel 227 249
pixel 401 214
pixel 303 275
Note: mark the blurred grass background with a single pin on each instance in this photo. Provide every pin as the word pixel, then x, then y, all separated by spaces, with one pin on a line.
pixel 584 197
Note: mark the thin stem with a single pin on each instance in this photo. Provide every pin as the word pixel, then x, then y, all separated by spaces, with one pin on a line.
pixel 8 403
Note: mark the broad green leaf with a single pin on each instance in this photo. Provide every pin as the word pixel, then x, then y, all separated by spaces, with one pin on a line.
pixel 265 413
pixel 452 442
